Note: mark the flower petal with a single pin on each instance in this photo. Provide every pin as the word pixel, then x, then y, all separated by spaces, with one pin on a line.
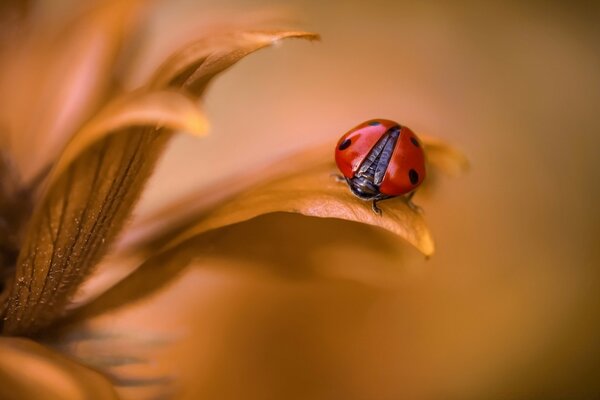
pixel 262 243
pixel 61 74
pixel 316 193
pixel 313 192
pixel 148 277
pixel 90 194
pixel 444 157
pixel 86 206
pixel 195 65
pixel 29 370
pixel 161 108
pixel 152 230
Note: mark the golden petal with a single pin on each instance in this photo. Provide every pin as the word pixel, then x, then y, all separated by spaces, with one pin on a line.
pixel 162 108
pixel 87 204
pixel 178 214
pixel 443 157
pixel 154 273
pixel 315 192
pixel 90 194
pixel 62 73
pixel 29 370
pixel 260 242
pixel 151 231
pixel 195 65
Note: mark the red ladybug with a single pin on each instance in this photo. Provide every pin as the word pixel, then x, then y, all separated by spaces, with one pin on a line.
pixel 381 159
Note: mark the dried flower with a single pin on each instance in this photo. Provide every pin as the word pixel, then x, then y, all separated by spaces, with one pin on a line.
pixel 76 153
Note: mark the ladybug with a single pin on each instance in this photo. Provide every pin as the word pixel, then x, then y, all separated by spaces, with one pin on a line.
pixel 381 159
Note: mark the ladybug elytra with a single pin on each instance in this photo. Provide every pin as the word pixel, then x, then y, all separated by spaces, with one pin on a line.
pixel 381 159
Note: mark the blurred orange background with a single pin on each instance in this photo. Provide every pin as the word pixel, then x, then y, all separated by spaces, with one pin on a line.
pixel 297 308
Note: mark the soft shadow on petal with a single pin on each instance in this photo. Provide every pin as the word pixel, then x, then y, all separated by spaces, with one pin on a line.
pixel 112 269
pixel 265 301
pixel 29 370
pixel 88 200
pixel 366 249
pixel 155 273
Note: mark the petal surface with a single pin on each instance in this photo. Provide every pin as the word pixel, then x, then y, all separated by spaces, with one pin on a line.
pixel 88 197
pixel 29 370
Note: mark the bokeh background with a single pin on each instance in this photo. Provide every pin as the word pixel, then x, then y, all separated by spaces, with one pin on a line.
pixel 287 307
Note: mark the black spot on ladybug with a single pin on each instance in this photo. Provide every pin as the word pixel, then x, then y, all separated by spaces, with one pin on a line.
pixel 374 123
pixel 415 142
pixel 413 176
pixel 345 144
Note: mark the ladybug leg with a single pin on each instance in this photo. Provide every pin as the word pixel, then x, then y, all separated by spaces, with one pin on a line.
pixel 412 205
pixel 376 209
pixel 338 178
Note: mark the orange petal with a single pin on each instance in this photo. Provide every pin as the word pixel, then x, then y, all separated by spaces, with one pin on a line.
pixel 90 194
pixel 312 192
pixel 315 193
pixel 89 199
pixel 61 74
pixel 148 277
pixel 311 252
pixel 178 215
pixel 443 157
pixel 195 65
pixel 162 108
pixel 29 370
pixel 189 208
